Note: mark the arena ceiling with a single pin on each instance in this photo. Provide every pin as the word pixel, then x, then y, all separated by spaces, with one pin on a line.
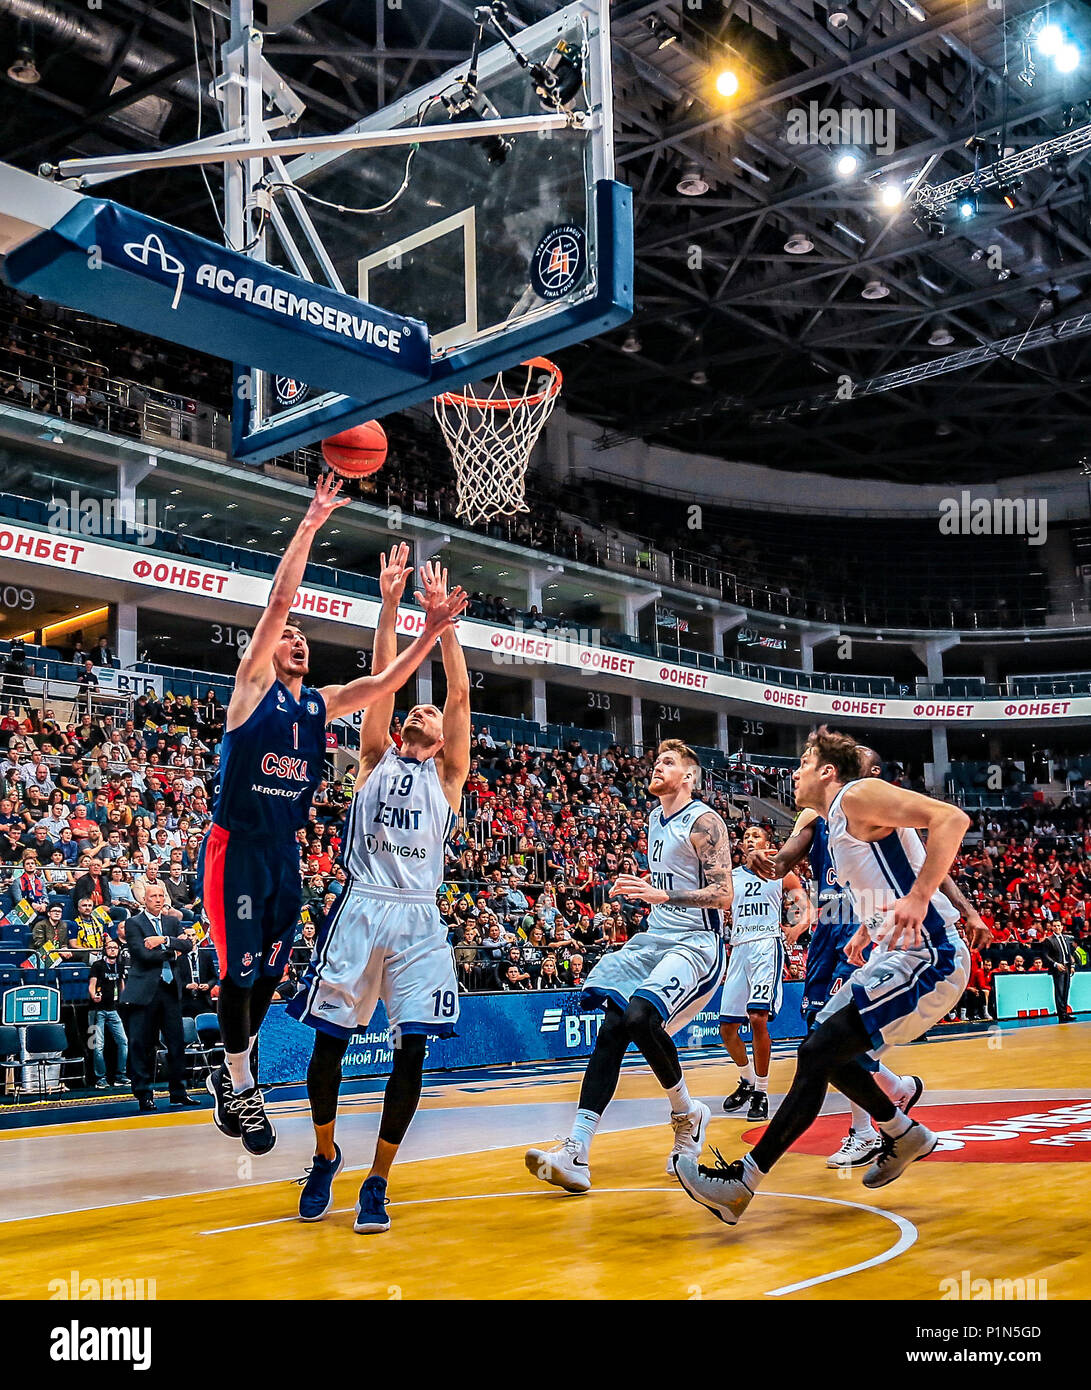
pixel 738 346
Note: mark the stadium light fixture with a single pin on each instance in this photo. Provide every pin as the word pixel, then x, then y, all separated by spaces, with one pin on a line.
pixel 845 165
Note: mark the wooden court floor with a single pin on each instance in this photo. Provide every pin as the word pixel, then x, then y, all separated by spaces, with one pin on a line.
pixel 169 1199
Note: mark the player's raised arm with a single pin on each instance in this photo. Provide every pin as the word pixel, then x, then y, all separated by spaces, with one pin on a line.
pixel 255 674
pixel 872 809
pixel 796 847
pixel 375 729
pixel 359 694
pixel 454 759
pixel 712 846
pixel 393 574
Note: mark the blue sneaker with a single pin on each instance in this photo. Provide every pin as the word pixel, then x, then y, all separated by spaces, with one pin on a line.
pixel 371 1207
pixel 317 1196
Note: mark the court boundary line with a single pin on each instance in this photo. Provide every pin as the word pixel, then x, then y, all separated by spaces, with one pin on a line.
pixel 907 1237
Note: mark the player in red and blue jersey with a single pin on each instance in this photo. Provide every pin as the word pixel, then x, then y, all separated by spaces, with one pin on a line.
pixel 271 763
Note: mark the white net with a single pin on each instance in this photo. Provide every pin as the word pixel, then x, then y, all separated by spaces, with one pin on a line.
pixel 491 437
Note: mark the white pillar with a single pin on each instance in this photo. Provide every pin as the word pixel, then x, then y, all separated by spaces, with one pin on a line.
pixel 635 605
pixel 809 640
pixel 535 579
pixel 722 624
pixel 940 762
pixel 931 653
pixel 636 722
pixel 125 640
pixel 723 740
pixel 538 697
pixel 424 683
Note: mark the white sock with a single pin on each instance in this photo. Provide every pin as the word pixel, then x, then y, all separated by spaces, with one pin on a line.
pixel 583 1130
pixel 761 1085
pixel 752 1174
pixel 680 1098
pixel 897 1126
pixel 891 1084
pixel 238 1064
pixel 861 1121
pixel 747 1073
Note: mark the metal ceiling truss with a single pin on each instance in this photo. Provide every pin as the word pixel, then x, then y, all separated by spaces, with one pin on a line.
pixel 743 314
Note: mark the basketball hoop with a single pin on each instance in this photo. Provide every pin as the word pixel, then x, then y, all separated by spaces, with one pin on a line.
pixel 491 437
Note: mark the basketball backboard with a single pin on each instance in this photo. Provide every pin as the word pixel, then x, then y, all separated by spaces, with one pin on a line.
pixel 506 247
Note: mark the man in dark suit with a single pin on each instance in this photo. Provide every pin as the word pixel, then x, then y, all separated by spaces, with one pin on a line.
pixel 1059 951
pixel 153 992
pixel 198 974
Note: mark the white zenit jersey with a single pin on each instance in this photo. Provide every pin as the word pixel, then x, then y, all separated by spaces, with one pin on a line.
pixel 674 866
pixel 879 872
pixel 397 826
pixel 756 907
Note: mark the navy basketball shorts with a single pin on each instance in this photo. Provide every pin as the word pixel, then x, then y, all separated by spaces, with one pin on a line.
pixel 252 894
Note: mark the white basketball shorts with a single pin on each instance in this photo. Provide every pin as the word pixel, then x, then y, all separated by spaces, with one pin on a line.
pixel 755 980
pixel 381 944
pixel 901 994
pixel 676 971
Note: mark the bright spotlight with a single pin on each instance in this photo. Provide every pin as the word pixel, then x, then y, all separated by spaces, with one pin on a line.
pixel 890 195
pixel 727 84
pixel 1049 40
pixel 967 207
pixel 1067 58
pixel 846 165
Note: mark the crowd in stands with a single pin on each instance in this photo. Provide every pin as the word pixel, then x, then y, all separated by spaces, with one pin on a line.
pixel 91 814
pixel 62 363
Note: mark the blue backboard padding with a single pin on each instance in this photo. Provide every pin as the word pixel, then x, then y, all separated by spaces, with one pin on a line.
pixel 610 306
pixel 120 265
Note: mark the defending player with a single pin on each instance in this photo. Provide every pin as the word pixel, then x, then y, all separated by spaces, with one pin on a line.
pixel 754 985
pixel 914 977
pixel 662 977
pixel 828 967
pixel 273 755
pixel 384 938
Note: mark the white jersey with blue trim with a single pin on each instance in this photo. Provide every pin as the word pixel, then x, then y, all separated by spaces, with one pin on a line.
pixel 397 826
pixel 879 872
pixel 756 907
pixel 673 865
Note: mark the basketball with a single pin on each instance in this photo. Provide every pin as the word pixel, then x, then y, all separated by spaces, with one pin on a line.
pixel 356 452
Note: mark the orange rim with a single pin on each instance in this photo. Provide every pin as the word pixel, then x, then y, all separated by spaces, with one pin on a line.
pixel 502 402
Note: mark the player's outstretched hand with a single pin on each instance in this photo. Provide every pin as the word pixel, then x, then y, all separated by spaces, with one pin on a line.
pixel 394 572
pixel 443 612
pixel 629 886
pixel 760 862
pixel 325 501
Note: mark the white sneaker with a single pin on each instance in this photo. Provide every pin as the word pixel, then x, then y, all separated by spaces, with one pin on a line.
pixel 720 1189
pixel 895 1155
pixel 689 1134
pixel 563 1166
pixel 855 1151
pixel 913 1094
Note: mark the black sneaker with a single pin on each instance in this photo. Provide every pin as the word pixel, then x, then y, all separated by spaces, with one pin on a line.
pixel 225 1109
pixel 759 1106
pixel 739 1097
pixel 258 1134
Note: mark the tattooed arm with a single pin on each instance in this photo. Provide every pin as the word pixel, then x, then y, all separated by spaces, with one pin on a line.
pixel 710 841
